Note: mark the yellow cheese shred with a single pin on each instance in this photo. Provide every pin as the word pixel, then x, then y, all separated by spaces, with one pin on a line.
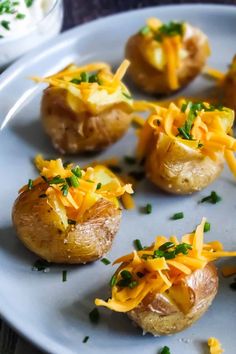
pixel 159 274
pixel 214 73
pixel 215 346
pixel 93 183
pixel 210 130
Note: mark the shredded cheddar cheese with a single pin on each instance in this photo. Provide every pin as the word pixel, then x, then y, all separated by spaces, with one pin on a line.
pixel 72 191
pixel 201 126
pixel 163 48
pixel 92 87
pixel 160 267
pixel 214 73
pixel 214 346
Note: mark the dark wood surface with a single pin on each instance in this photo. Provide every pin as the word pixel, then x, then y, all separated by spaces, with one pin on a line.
pixel 77 12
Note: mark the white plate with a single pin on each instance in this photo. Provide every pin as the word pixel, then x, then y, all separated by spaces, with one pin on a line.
pixel 53 314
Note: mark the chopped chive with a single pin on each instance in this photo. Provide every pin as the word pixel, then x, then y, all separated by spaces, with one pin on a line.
pixel 126 274
pixel 86 338
pixel 207 227
pixel 184 107
pixel 75 81
pixel 105 261
pixel 65 189
pixel 29 3
pixel 177 216
pixel 148 208
pixel 213 198
pixel 64 275
pixel 166 246
pixel 84 76
pixel 71 222
pixel 43 195
pixel 57 180
pixel 138 245
pixel 165 350
pixel 77 172
pixel 144 30
pixel 99 185
pixel 41 265
pixel 133 284
pixel 127 95
pixel 130 160
pixel 183 132
pixel 74 181
pixel 94 316
pixel 183 248
pixel 66 163
pixel 113 280
pixel 45 179
pixel 30 184
pixel 5 24
pixel 20 16
pixel 200 145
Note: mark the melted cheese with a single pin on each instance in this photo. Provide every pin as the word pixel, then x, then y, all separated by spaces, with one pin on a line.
pixel 214 346
pixel 160 274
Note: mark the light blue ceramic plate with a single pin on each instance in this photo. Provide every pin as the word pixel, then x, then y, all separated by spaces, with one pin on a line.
pixel 53 314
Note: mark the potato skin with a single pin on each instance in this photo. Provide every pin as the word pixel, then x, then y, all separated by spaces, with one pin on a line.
pixel 228 87
pixel 41 230
pixel 73 132
pixel 159 315
pixel 178 169
pixel 151 80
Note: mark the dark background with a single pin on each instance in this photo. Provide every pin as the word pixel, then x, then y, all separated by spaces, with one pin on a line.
pixel 80 11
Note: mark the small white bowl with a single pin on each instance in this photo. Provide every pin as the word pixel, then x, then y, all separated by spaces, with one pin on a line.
pixel 12 48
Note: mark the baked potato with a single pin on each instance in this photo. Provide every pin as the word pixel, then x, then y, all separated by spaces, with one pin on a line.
pixel 165 288
pixel 166 57
pixel 69 215
pixel 86 108
pixel 184 145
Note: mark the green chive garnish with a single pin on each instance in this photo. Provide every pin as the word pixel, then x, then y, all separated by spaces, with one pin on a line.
pixel 127 95
pixel 5 24
pixel 99 185
pixel 166 246
pixel 177 216
pixel 165 350
pixel 105 261
pixel 213 198
pixel 30 184
pixel 29 3
pixel 144 30
pixel 133 284
pixel 71 222
pixel 94 316
pixel 85 339
pixel 74 181
pixel 75 81
pixel 57 180
pixel 20 16
pixel 41 265
pixel 65 189
pixel 64 275
pixel 113 281
pixel 148 208
pixel 138 245
pixel 207 227
pixel 77 172
pixel 84 76
pixel 126 274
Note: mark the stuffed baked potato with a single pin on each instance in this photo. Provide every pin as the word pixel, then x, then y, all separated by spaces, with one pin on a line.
pixel 228 86
pixel 184 145
pixel 69 215
pixel 86 108
pixel 166 57
pixel 165 288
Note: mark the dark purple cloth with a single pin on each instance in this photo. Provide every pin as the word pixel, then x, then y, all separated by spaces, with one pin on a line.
pixel 79 11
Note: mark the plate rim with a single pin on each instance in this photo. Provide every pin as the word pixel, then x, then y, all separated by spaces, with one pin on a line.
pixel 14 69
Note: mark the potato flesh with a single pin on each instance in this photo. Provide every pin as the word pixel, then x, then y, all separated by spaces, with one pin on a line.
pixel 159 314
pixel 73 132
pixel 41 230
pixel 178 169
pixel 154 81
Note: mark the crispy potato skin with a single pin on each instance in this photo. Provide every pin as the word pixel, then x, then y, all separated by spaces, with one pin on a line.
pixel 228 88
pixel 150 79
pixel 178 169
pixel 41 229
pixel 73 132
pixel 159 315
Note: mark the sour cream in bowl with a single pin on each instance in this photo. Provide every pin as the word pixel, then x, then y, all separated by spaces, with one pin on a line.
pixel 24 24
